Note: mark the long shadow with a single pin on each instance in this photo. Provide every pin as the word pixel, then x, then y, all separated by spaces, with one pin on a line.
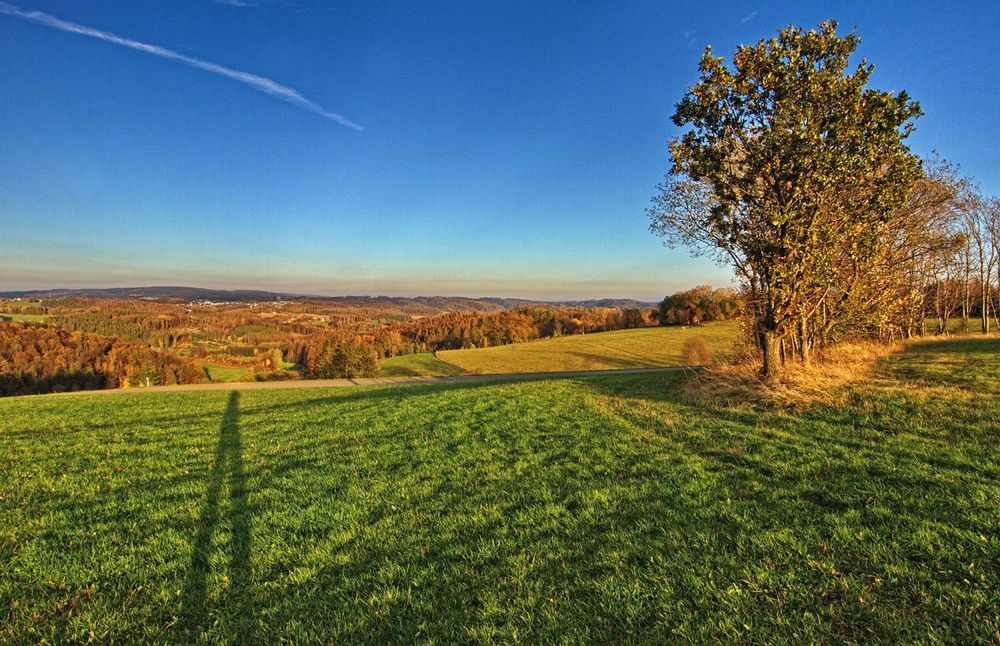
pixel 228 457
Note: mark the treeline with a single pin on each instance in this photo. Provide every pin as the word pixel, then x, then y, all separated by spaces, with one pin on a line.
pixel 700 304
pixel 41 359
pixel 932 260
pixel 158 329
pixel 16 307
pixel 232 333
pixel 474 330
pixel 346 354
pixel 958 271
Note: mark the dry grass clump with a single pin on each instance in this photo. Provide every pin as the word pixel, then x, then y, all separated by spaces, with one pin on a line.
pixel 820 382
pixel 696 352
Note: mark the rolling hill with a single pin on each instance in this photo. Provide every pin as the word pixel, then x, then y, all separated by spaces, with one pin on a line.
pixel 636 348
pixel 580 510
pixel 180 294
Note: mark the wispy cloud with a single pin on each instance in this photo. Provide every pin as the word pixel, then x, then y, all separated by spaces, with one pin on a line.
pixel 287 4
pixel 744 20
pixel 260 83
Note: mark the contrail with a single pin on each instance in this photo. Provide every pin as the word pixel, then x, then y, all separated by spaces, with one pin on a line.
pixel 265 85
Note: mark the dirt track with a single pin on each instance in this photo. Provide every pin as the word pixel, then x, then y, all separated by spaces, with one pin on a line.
pixel 373 381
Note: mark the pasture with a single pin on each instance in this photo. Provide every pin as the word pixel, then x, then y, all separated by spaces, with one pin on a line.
pixel 599 509
pixel 218 372
pixel 636 348
pixel 24 318
pixel 416 365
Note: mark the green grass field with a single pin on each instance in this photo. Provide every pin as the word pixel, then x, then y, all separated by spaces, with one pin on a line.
pixel 27 318
pixel 956 326
pixel 601 509
pixel 638 348
pixel 227 374
pixel 416 365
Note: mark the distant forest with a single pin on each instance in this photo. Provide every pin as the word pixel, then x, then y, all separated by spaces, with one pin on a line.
pixel 54 345
pixel 37 358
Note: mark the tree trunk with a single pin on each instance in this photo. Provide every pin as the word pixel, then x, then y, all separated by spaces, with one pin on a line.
pixel 966 296
pixel 937 305
pixel 772 356
pixel 804 348
pixel 984 308
pixel 824 330
pixel 996 314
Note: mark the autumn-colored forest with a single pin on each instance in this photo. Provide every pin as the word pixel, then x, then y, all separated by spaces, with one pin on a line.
pixel 78 343
pixel 69 344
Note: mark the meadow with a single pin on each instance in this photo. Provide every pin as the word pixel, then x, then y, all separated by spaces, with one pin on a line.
pixel 24 318
pixel 599 509
pixel 635 348
pixel 227 374
pixel 423 364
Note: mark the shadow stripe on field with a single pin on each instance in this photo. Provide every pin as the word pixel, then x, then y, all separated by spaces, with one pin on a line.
pixel 228 461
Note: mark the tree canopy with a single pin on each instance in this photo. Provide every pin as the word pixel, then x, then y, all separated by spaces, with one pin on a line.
pixel 791 169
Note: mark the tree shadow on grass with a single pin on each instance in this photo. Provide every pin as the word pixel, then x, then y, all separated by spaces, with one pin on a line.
pixel 505 516
pixel 227 469
pixel 949 362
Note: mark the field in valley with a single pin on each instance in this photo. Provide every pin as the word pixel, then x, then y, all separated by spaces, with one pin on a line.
pixel 637 348
pixel 651 347
pixel 595 509
pixel 24 318
pixel 227 374
pixel 417 365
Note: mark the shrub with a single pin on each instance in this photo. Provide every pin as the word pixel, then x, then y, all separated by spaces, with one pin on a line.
pixel 345 359
pixel 695 352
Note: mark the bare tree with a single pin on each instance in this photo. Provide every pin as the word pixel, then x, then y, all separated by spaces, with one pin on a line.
pixel 978 220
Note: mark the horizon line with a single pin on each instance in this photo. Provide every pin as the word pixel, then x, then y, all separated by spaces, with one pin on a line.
pixel 9 292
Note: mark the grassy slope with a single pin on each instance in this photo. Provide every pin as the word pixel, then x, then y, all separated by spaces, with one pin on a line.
pixel 416 365
pixel 227 374
pixel 645 347
pixel 27 318
pixel 598 510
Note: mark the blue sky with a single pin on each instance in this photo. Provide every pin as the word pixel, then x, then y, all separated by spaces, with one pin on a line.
pixel 505 148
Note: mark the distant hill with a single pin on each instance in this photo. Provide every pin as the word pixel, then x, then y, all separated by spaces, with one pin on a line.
pixel 609 302
pixel 156 293
pixel 180 294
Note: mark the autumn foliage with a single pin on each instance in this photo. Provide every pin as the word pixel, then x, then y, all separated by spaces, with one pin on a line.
pixel 93 343
pixel 39 359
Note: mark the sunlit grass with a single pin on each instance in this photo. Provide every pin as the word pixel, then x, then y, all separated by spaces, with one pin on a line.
pixel 24 318
pixel 637 348
pixel 228 374
pixel 595 510
pixel 416 365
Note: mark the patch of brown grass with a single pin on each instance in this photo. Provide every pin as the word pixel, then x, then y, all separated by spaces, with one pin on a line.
pixel 821 382
pixel 695 352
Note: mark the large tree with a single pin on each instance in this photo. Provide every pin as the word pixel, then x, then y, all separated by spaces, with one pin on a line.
pixel 790 168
